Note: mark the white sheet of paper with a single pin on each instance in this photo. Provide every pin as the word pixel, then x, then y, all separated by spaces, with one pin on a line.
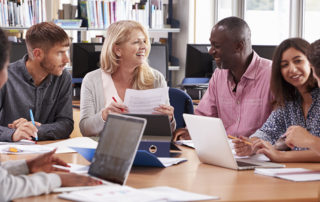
pixel 64 145
pixel 167 161
pixel 111 193
pixel 125 193
pixel 21 142
pixel 173 194
pixel 144 101
pixel 293 174
pixel 187 143
pixel 75 168
pixel 25 149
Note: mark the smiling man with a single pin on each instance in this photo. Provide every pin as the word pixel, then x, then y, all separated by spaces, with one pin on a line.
pixel 239 90
pixel 38 82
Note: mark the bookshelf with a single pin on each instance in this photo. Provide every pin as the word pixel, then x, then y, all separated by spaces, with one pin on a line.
pixel 43 10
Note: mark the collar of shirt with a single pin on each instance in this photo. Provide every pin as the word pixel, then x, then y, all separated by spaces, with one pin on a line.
pixel 250 73
pixel 45 83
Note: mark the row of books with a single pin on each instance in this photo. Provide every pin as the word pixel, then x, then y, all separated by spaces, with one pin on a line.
pixel 100 14
pixel 22 13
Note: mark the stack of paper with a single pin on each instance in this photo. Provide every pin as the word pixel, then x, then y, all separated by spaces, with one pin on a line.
pixel 125 193
pixel 293 174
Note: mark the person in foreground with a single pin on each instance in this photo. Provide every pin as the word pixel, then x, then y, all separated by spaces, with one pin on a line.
pixel 123 66
pixel 297 135
pixel 14 181
pixel 297 103
pixel 38 82
pixel 239 89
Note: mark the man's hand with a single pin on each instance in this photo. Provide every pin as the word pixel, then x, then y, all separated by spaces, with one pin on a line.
pixel 17 123
pixel 181 134
pixel 25 131
pixel 45 162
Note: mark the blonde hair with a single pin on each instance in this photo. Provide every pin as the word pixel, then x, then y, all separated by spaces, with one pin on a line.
pixel 118 33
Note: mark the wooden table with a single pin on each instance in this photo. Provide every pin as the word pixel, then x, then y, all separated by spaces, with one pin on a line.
pixel 229 185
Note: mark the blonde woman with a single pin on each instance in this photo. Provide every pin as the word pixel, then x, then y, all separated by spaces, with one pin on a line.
pixel 123 66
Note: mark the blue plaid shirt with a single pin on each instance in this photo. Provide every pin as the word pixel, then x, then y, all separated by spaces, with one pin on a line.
pixel 289 115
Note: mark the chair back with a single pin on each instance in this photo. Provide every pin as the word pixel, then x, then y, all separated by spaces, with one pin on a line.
pixel 182 103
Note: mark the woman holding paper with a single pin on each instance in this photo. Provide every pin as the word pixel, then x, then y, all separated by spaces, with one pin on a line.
pixel 124 66
pixel 297 103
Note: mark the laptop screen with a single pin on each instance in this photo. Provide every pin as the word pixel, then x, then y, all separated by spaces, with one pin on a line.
pixel 117 147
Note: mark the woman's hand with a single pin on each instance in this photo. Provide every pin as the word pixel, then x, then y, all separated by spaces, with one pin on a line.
pixel 114 107
pixel 242 148
pixel 299 137
pixel 263 147
pixel 165 109
pixel 45 162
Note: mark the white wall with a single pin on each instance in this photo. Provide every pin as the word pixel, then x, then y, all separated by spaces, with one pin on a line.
pixel 196 20
pixel 182 11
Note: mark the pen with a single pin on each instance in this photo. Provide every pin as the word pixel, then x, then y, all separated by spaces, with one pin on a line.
pixel 32 119
pixel 235 138
pixel 114 99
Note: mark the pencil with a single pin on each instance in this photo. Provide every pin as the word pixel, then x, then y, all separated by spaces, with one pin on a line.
pixel 235 138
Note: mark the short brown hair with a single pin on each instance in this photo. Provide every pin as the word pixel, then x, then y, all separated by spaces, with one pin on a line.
pixel 313 55
pixel 45 35
pixel 281 89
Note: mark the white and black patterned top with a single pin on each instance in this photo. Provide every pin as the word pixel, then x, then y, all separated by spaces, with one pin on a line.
pixel 289 115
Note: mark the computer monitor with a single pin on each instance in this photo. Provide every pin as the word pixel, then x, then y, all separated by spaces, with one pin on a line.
pixel 199 63
pixel 86 58
pixel 18 50
pixel 265 51
pixel 158 58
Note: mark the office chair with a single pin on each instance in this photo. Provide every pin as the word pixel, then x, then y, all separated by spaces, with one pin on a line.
pixel 182 103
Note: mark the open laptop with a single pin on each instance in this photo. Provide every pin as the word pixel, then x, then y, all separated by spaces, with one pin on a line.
pixel 117 147
pixel 116 150
pixel 211 142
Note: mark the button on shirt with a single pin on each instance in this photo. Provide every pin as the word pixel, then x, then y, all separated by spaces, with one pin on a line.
pixel 242 111
pixel 289 115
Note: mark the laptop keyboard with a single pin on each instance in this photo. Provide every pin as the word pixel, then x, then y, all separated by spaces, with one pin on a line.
pixel 243 164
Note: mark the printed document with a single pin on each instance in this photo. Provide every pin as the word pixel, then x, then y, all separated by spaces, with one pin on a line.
pixel 292 174
pixel 126 193
pixel 144 101
pixel 64 146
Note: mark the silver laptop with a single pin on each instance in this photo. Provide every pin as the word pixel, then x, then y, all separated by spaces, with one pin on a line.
pixel 211 143
pixel 117 147
pixel 116 150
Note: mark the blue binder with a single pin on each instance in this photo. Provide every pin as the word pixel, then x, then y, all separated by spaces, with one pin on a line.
pixel 142 158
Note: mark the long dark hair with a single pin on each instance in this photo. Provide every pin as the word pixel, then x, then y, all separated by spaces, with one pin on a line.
pixel 4 49
pixel 281 89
